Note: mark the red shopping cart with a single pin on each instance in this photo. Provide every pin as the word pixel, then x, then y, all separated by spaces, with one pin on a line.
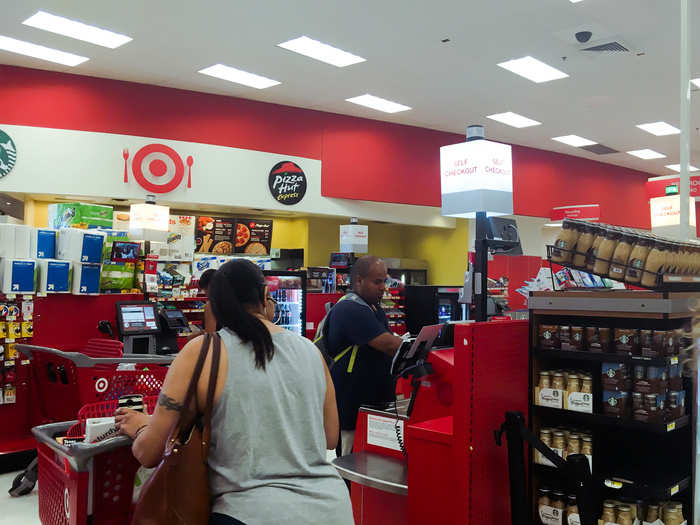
pixel 85 483
pixel 66 381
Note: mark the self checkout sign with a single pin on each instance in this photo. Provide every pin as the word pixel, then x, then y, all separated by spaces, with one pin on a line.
pixel 287 183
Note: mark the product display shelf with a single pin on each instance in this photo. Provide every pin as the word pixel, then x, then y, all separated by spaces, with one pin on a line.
pixel 632 460
pixel 394 306
pixel 605 357
pixel 664 282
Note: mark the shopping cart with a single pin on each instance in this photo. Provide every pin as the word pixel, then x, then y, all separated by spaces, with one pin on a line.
pixel 66 381
pixel 85 483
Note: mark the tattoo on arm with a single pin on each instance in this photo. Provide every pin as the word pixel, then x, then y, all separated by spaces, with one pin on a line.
pixel 169 403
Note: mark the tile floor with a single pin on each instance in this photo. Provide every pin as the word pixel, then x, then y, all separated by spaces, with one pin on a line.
pixel 25 510
pixel 17 511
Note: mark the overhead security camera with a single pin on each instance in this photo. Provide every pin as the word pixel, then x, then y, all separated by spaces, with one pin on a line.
pixel 583 36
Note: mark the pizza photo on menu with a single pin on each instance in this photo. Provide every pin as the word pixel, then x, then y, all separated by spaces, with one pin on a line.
pixel 242 235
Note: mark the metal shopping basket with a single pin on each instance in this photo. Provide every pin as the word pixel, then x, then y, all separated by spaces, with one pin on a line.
pixel 66 381
pixel 85 483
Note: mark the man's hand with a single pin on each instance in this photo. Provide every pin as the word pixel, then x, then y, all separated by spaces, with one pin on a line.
pixel 128 422
pixel 386 343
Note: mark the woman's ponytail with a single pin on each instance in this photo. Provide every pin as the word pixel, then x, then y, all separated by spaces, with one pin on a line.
pixel 235 287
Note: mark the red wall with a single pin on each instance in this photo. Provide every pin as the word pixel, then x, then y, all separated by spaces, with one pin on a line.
pixel 361 158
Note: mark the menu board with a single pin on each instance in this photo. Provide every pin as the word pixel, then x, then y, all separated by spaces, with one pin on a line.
pixel 215 235
pixel 253 237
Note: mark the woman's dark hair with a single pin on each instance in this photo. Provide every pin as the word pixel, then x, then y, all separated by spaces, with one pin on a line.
pixel 235 287
pixel 205 279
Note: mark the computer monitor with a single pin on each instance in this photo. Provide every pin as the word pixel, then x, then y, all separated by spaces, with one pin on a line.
pixel 137 318
pixel 504 229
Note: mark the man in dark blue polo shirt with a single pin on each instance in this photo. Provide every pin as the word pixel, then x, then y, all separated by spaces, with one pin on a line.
pixel 362 346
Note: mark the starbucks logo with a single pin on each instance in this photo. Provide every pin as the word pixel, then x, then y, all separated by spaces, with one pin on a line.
pixel 8 154
pixel 612 401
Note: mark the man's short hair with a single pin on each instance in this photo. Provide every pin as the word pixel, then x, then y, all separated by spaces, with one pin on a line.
pixel 361 268
pixel 205 278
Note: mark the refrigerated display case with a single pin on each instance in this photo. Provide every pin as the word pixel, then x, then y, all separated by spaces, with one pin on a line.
pixel 289 290
pixel 427 305
pixel 320 279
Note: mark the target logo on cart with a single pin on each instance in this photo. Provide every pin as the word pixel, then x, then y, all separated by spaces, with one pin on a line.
pixel 101 385
pixel 66 503
pixel 157 168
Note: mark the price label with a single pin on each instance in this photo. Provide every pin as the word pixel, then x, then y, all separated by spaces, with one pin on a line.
pixel 671 426
pixel 11 296
pixel 674 360
pixel 11 317
pixel 8 364
pixel 674 490
pixel 42 294
pixel 9 340
pixel 613 484
pixel 25 362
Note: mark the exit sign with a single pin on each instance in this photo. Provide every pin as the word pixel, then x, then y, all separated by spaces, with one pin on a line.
pixel 672 189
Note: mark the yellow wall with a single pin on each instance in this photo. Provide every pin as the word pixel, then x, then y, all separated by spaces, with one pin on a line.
pixel 444 249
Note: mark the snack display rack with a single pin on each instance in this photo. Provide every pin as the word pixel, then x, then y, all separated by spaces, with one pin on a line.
pixel 394 303
pixel 664 282
pixel 16 327
pixel 632 460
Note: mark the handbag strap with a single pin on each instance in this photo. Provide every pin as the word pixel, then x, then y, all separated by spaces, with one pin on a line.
pixel 209 407
pixel 197 372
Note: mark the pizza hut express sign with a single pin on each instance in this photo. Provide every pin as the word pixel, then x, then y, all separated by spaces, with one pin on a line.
pixel 287 183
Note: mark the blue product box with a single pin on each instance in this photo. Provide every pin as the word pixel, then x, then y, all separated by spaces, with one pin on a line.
pixel 86 279
pixel 17 276
pixel 57 276
pixel 43 243
pixel 92 248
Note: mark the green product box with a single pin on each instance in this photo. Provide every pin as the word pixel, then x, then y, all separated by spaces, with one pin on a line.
pixel 117 276
pixel 112 235
pixel 80 215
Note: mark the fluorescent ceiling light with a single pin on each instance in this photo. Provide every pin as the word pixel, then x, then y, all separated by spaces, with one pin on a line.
pixel 574 140
pixel 647 154
pixel 659 128
pixel 314 49
pixel 575 1
pixel 677 167
pixel 44 53
pixel 553 225
pixel 73 29
pixel 513 119
pixel 533 69
pixel 239 77
pixel 696 81
pixel 380 104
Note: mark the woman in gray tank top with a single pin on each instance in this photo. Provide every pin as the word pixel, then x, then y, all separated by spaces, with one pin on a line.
pixel 274 415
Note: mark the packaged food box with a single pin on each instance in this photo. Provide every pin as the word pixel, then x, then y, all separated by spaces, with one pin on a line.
pixel 650 379
pixel 17 276
pixel 597 339
pixel 14 330
pixel 615 403
pixel 549 337
pixel 27 329
pixel 651 409
pixel 675 403
pixel 15 241
pixel 80 245
pixel 43 243
pixel 615 376
pixel 117 276
pixel 626 341
pixel 80 215
pixel 110 237
pixel 675 381
pixel 54 276
pixel 571 338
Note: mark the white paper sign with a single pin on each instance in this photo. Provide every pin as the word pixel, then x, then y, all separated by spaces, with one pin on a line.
pixel 381 432
pixel 476 176
pixel 354 238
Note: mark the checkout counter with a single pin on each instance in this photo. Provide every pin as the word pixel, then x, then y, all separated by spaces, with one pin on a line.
pixel 432 456
pixel 146 328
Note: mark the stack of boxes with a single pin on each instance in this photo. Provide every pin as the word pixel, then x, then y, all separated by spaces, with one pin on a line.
pixel 116 275
pixel 83 248
pixel 17 268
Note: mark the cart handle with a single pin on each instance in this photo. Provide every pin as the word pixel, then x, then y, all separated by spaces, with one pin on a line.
pixel 84 361
pixel 78 454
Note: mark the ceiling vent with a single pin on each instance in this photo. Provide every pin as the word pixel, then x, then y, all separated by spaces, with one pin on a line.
pixel 607 47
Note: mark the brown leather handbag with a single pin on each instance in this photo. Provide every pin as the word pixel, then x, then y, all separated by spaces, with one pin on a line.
pixel 177 493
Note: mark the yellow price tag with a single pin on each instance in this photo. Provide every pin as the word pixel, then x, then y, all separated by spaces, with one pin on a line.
pixel 674 360
pixel 674 490
pixel 671 426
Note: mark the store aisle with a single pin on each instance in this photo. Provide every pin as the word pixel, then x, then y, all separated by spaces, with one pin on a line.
pixel 17 511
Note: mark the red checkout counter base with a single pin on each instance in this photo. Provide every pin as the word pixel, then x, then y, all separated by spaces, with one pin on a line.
pixel 453 472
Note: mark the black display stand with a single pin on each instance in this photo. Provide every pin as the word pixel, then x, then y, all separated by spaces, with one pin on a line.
pixel 632 460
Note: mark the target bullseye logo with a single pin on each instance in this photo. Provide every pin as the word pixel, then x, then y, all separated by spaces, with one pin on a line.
pixel 101 385
pixel 158 168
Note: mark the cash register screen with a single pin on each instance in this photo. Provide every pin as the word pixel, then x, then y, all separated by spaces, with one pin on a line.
pixel 137 319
